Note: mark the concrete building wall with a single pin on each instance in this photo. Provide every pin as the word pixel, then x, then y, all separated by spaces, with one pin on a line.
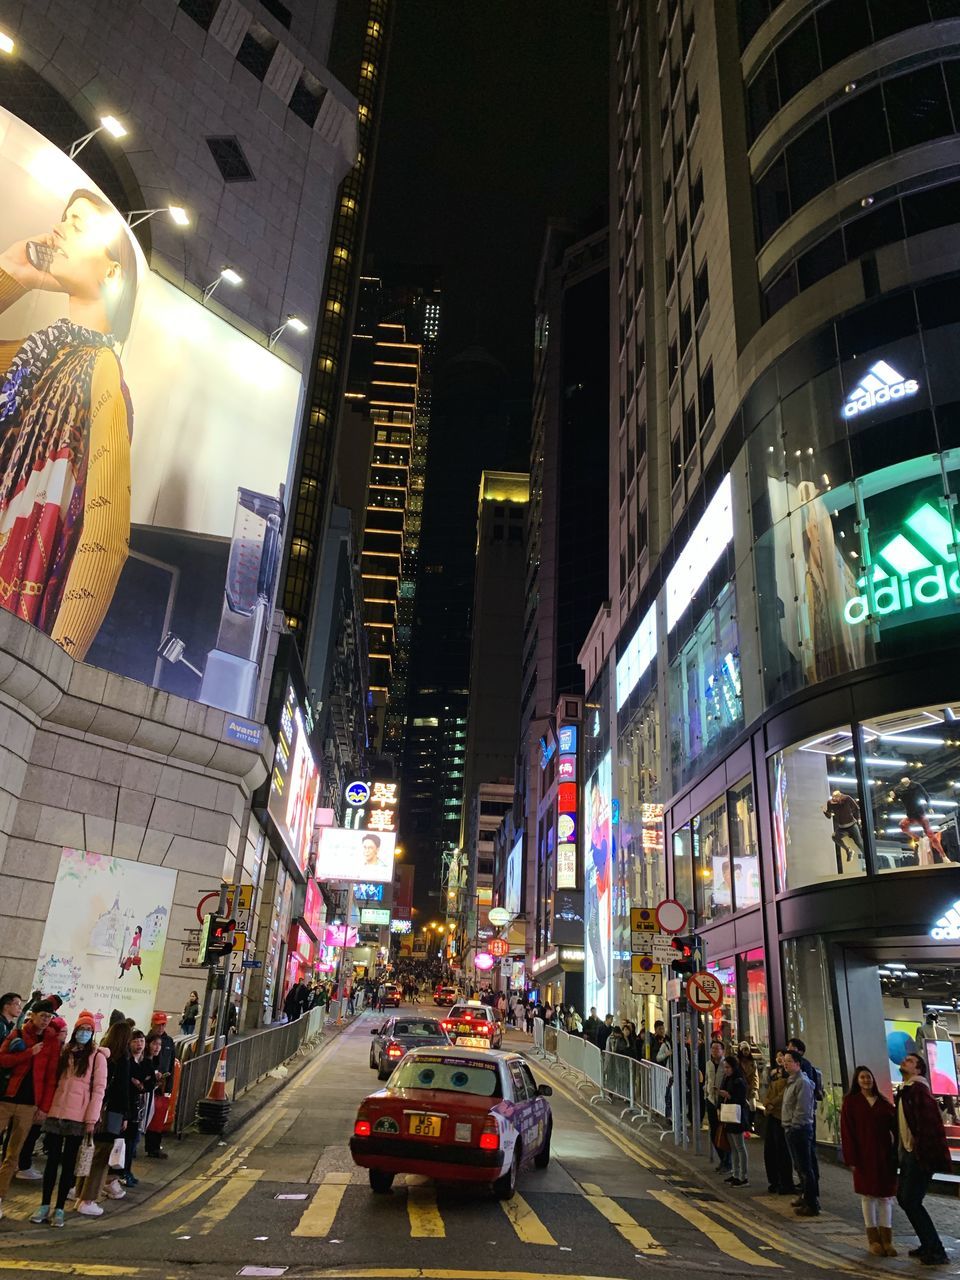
pixel 94 761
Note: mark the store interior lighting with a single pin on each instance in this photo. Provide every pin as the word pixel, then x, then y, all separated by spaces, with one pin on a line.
pixel 177 214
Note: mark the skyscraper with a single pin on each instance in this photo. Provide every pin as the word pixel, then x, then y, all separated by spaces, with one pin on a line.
pixel 391 378
pixel 314 483
pixel 772 692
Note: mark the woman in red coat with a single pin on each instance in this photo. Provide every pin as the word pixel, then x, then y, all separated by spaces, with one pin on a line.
pixel 868 1129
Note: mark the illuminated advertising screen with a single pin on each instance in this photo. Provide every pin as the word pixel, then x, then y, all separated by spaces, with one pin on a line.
pixel 338 935
pixel 144 445
pixel 567 737
pixel 368 892
pixel 597 879
pixel 294 783
pixel 512 878
pixel 401 926
pixel 566 866
pixel 355 855
pixel 313 907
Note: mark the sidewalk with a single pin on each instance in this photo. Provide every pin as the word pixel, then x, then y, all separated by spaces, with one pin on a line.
pixel 157 1175
pixel 838 1231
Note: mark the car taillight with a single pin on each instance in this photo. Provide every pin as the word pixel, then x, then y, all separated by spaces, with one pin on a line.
pixel 394 1050
pixel 447 1026
pixel 490 1135
pixel 484 1028
pixel 361 1129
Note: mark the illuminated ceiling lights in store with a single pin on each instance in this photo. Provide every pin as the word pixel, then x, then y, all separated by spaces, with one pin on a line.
pixel 711 537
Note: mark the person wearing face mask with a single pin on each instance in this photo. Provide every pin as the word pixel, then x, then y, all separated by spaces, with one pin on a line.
pixel 30 1055
pixel 81 1079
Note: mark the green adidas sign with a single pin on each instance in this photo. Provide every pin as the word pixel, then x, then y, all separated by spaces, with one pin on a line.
pixel 916 568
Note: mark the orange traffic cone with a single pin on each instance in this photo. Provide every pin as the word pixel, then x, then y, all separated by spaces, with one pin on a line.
pixel 218 1086
pixel 213 1110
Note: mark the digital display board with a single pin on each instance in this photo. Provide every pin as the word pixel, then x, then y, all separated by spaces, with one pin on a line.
pixel 294 782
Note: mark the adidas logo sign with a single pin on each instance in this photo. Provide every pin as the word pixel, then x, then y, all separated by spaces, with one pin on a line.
pixel 947 928
pixel 879 385
pixel 920 569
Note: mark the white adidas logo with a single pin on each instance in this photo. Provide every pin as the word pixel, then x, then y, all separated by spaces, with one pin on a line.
pixel 879 385
pixel 947 928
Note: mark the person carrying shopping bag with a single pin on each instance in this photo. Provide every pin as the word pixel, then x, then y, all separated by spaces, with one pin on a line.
pixel 77 1101
pixel 868 1135
pixel 113 1121
pixel 735 1118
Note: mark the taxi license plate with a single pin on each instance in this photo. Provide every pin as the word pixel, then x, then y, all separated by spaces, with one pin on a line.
pixel 422 1125
pixel 464 1029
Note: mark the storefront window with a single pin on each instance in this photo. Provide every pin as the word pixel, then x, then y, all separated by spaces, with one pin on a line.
pixel 756 1014
pixel 810 1016
pixel 744 850
pixel 683 866
pixel 641 808
pixel 723 1021
pixel 706 700
pixel 817 811
pixel 912 764
pixel 712 876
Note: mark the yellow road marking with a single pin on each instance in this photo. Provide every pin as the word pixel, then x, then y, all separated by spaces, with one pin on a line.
pixel 285 1122
pixel 642 1158
pixel 318 1217
pixel 525 1222
pixel 631 1230
pixel 721 1236
pixel 222 1203
pixel 69 1268
pixel 425 1220
pixel 439 1273
pixel 799 1252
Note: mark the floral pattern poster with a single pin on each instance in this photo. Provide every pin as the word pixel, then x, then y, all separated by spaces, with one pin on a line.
pixel 104 937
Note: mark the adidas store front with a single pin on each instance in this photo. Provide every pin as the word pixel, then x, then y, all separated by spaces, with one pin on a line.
pixel 811 705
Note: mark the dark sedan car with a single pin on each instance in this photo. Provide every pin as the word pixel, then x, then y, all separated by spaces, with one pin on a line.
pixel 395 1036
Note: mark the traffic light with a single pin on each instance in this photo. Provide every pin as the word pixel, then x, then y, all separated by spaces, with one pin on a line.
pixel 688 955
pixel 216 938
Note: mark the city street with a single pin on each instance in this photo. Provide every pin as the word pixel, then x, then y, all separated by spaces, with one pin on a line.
pixel 283 1193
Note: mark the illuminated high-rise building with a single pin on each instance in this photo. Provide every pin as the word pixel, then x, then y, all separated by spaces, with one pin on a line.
pixel 392 401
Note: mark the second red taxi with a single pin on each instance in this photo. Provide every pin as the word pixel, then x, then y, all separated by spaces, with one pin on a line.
pixel 473 1025
pixel 457 1115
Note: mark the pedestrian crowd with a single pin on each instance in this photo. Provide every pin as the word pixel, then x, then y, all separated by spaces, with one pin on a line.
pixel 88 1103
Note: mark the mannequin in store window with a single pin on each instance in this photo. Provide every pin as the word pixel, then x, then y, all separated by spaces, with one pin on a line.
pixel 845 812
pixel 915 800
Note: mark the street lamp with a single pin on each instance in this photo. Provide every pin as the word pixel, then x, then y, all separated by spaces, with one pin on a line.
pixel 176 212
pixel 226 273
pixel 108 124
pixel 294 322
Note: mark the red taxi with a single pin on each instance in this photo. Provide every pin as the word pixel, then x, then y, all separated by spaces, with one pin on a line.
pixel 458 1115
pixel 473 1025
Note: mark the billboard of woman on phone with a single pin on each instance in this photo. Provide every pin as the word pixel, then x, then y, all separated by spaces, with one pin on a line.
pixel 65 425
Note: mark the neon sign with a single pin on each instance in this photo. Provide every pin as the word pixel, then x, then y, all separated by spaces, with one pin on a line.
pixel 919 566
pixel 878 386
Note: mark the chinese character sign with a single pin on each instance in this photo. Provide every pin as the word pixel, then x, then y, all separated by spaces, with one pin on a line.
pixel 382 811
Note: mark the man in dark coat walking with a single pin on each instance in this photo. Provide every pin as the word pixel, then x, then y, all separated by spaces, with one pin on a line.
pixel 923 1152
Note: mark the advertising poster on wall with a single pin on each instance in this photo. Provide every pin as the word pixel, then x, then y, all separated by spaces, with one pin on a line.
pixel 512 877
pixel 294 782
pixel 144 448
pixel 355 855
pixel 597 881
pixel 103 940
pixel 597 969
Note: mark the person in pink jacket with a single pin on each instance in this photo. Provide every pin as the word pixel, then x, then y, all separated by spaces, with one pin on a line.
pixel 73 1114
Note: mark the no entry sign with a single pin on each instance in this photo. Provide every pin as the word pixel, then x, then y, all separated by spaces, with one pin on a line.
pixel 671 916
pixel 704 991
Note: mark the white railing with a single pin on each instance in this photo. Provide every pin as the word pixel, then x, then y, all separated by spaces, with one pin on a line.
pixel 640 1086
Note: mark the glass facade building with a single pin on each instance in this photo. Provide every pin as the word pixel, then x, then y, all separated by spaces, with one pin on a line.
pixel 777 671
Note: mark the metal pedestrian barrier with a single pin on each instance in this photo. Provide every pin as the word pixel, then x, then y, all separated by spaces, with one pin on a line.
pixel 248 1060
pixel 641 1087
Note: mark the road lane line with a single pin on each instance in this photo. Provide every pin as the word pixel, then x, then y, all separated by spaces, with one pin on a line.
pixel 631 1230
pixel 620 1140
pixel 525 1222
pixel 425 1220
pixel 721 1236
pixel 285 1123
pixel 792 1247
pixel 221 1203
pixel 317 1219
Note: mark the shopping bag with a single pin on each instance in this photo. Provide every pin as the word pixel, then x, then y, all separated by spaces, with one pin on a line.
pixel 730 1113
pixel 84 1157
pixel 118 1154
pixel 721 1141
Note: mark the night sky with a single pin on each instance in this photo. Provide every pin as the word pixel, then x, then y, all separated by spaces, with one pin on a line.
pixel 495 119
